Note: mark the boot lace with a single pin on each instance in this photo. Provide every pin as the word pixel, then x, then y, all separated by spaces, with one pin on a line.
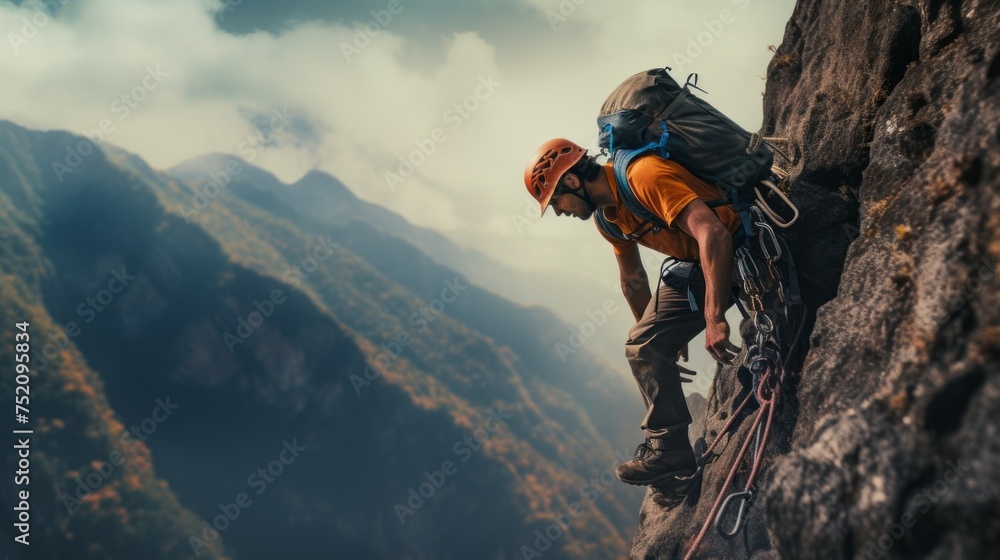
pixel 643 450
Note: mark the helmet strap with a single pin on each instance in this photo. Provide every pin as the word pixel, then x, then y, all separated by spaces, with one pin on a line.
pixel 581 193
pixel 585 197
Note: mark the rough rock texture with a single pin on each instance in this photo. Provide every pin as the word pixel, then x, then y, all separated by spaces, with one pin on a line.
pixel 889 447
pixel 698 407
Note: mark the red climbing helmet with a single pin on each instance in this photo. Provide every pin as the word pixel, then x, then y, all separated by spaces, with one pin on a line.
pixel 547 166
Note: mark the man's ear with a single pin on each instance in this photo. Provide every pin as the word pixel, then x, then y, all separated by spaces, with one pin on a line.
pixel 571 181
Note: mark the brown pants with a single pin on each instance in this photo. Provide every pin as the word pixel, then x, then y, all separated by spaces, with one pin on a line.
pixel 665 327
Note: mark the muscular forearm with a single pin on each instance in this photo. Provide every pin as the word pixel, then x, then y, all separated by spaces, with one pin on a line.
pixel 717 264
pixel 715 248
pixel 636 291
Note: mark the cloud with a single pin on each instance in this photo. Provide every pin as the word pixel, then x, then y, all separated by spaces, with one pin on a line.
pixel 466 120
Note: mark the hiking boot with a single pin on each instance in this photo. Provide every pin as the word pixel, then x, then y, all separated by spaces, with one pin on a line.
pixel 660 462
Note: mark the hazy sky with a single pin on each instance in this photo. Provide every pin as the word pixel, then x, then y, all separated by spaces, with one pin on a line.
pixel 481 83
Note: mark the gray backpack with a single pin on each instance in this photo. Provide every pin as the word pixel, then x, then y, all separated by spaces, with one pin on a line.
pixel 651 112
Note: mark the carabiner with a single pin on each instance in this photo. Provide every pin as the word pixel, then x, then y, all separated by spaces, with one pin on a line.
pixel 747 267
pixel 761 328
pixel 774 240
pixel 745 498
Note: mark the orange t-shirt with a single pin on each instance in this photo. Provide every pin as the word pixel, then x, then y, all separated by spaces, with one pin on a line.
pixel 666 188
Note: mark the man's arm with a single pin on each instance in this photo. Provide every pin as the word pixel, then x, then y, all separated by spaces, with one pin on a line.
pixel 715 247
pixel 635 283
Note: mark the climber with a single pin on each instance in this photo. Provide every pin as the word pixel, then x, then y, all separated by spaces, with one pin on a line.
pixel 695 291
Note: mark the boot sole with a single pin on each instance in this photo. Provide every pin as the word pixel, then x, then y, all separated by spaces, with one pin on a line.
pixel 662 477
pixel 671 497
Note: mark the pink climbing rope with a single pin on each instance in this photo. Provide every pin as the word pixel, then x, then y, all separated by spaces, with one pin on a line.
pixel 767 407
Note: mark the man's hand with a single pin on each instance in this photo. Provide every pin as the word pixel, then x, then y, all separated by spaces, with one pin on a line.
pixel 717 340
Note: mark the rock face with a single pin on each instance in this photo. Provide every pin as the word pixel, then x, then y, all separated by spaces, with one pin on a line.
pixel 698 407
pixel 888 444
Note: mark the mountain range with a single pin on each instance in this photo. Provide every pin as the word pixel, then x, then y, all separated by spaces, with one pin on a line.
pixel 330 387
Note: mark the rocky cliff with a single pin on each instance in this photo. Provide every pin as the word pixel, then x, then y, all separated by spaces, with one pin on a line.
pixel 887 443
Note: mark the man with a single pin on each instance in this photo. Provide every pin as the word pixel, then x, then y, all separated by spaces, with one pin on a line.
pixel 560 174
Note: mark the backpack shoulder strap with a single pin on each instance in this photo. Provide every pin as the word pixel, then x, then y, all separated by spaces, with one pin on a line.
pixel 612 230
pixel 620 161
pixel 609 229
